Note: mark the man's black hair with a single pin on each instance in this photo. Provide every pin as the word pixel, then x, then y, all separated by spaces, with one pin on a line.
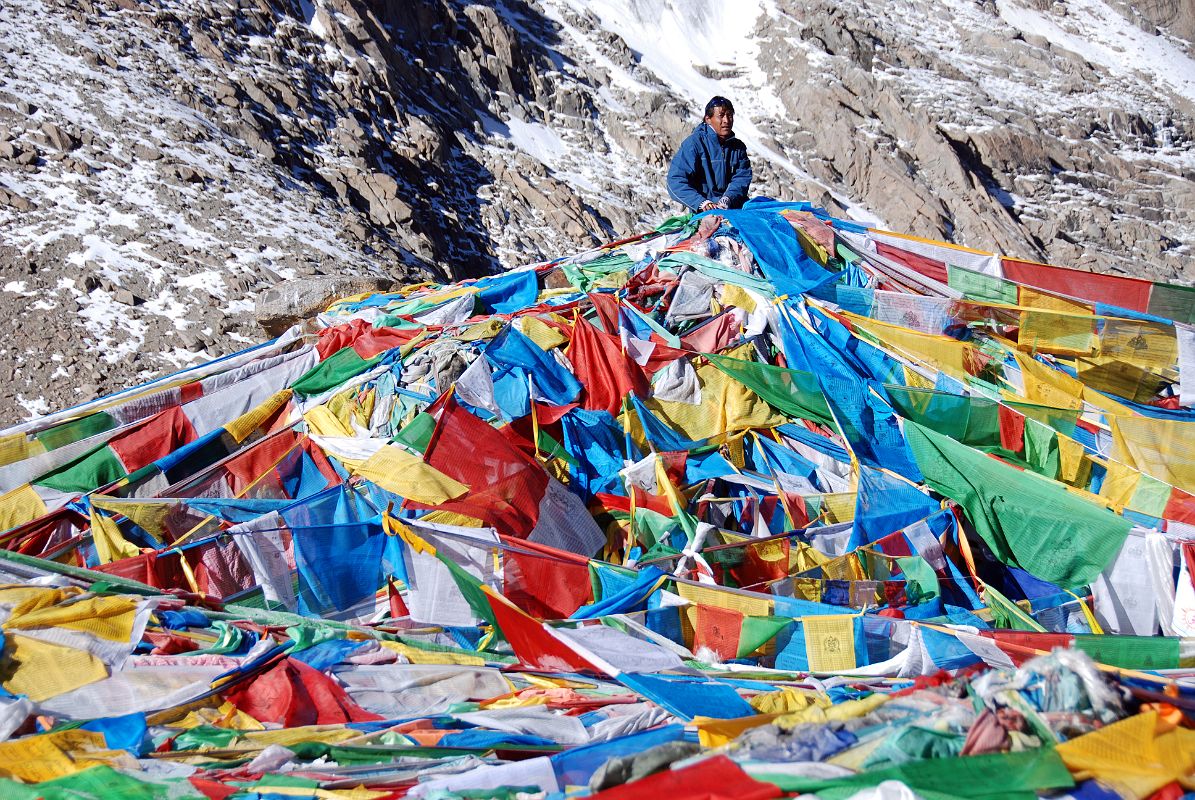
pixel 718 100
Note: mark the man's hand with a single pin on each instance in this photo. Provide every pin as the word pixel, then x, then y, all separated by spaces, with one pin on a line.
pixel 708 205
pixel 722 204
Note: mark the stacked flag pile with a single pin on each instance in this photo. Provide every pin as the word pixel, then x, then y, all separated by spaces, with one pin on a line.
pixel 761 503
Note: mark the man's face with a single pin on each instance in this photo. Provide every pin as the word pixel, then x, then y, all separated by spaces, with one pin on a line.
pixel 721 119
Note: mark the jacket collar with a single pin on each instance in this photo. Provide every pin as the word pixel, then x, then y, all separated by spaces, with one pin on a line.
pixel 710 135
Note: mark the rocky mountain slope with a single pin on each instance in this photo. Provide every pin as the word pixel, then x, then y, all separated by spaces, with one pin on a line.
pixel 162 163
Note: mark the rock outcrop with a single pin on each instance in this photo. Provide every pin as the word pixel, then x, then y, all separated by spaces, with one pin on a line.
pixel 163 163
pixel 291 302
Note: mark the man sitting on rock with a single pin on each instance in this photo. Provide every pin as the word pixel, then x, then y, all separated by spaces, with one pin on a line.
pixel 711 169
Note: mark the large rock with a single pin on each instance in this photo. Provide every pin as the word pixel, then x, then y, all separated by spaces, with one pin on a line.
pixel 284 305
pixel 13 200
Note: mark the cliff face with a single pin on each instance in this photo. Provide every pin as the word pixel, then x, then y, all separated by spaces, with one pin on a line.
pixel 161 163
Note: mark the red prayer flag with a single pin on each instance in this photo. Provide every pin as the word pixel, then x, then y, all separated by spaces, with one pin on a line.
pixel 716 778
pixel 544 586
pixel 1012 429
pixel 398 608
pixel 924 265
pixel 506 485
pixel 1116 290
pixel 606 306
pixel 294 694
pixel 718 629
pixel 607 373
pixel 156 437
pixel 213 790
pixel 713 336
pixel 1021 645
pixel 363 337
pixel 1180 507
pixel 535 646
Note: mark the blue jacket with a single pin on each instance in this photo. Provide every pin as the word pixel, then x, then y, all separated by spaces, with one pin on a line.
pixel 707 169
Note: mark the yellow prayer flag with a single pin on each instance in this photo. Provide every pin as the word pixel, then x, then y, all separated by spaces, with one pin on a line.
pixel 41 670
pixel 1048 387
pixel 941 352
pixel 453 518
pixel 843 568
pixel 34 759
pixel 482 330
pixel 726 406
pixel 839 507
pixel 830 642
pixel 226 716
pixel 322 422
pixel 1161 448
pixel 542 333
pixel 110 544
pixel 243 426
pixel 24 598
pixel 17 447
pixel 110 618
pixel 787 701
pixel 746 604
pixel 1119 484
pixel 1051 324
pixel 415 655
pixel 838 712
pixel 150 514
pixel 712 732
pixel 1131 756
pixel 1149 346
pixel 407 475
pixel 733 295
pixel 20 505
pixel 1074 467
pixel 326 734
pixel 916 380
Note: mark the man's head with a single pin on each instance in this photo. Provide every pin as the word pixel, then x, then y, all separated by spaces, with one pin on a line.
pixel 719 115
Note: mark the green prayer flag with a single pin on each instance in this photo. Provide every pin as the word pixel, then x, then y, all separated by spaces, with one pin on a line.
pixel 417 434
pixel 333 371
pixel 1131 652
pixel 1172 302
pixel 377 752
pixel 981 287
pixel 100 783
pixel 677 222
pixel 229 640
pixel 1027 521
pixel 306 636
pixel 76 430
pixel 470 589
pixel 1041 448
pixel 652 528
pixel 277 779
pixel 994 775
pixel 793 392
pixel 1007 614
pixel 98 467
pixel 550 448
pixel 718 271
pixel 921 584
pixel 585 276
pixel 758 631
pixel 971 420
pixel 207 737
pixel 1150 496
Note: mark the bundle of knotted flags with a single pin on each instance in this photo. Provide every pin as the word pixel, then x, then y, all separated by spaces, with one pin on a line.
pixel 757 504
